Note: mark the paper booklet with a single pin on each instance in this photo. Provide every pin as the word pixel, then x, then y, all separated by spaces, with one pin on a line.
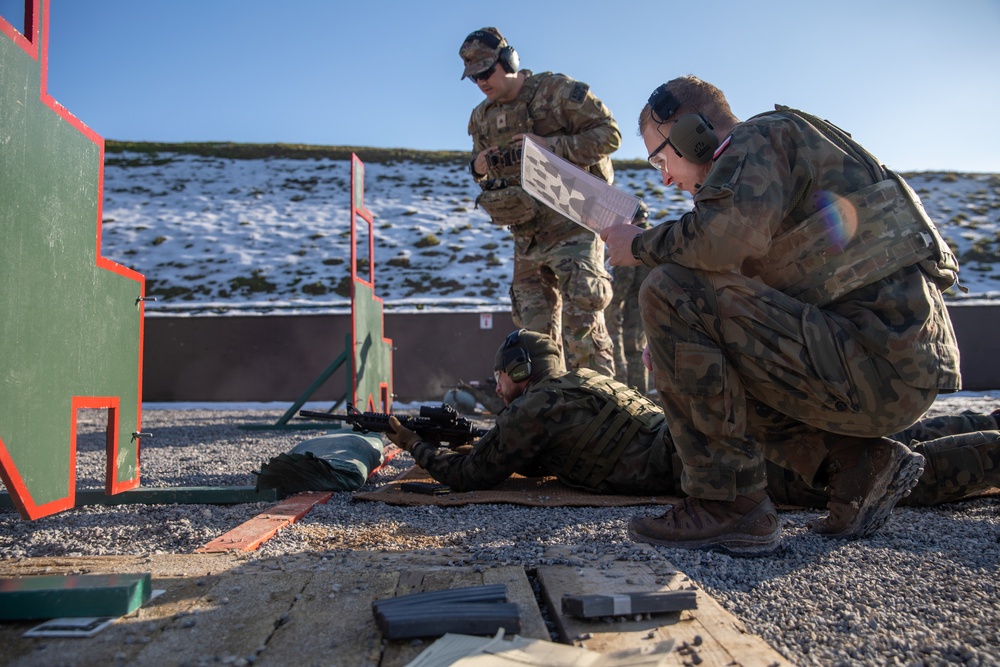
pixel 579 195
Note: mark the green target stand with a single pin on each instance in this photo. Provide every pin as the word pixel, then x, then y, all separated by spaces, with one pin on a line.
pixel 367 352
pixel 71 321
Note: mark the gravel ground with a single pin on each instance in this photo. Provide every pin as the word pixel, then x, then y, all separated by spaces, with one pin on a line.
pixel 923 591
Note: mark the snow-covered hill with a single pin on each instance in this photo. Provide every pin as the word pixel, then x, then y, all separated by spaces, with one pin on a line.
pixel 226 236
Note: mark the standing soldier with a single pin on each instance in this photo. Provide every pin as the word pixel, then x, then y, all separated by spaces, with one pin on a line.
pixel 560 286
pixel 624 321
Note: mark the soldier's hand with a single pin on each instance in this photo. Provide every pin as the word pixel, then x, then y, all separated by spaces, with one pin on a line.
pixel 401 436
pixel 647 358
pixel 482 163
pixel 541 141
pixel 619 240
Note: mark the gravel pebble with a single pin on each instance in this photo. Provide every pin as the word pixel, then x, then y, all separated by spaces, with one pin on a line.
pixel 923 591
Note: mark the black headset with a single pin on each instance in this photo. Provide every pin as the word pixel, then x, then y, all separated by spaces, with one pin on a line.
pixel 507 56
pixel 691 136
pixel 515 357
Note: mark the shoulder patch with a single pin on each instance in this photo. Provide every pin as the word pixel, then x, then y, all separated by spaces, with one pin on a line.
pixel 579 92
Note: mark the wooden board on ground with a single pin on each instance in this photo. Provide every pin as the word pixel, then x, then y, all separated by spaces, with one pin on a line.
pixel 399 653
pixel 223 608
pixel 708 635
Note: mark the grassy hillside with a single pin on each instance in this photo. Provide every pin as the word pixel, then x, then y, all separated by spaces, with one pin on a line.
pixel 224 149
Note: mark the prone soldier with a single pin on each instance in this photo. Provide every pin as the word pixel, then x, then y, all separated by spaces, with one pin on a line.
pixel 594 433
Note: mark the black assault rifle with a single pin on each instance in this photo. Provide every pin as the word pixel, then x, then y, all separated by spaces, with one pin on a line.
pixel 442 424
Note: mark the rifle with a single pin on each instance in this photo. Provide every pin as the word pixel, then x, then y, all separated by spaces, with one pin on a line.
pixel 442 424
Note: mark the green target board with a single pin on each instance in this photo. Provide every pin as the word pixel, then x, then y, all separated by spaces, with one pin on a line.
pixel 71 321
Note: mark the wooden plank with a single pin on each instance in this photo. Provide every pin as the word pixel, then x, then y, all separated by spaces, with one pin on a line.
pixel 256 531
pixel 398 653
pixel 222 608
pixel 233 619
pixel 519 591
pixel 332 618
pixel 715 635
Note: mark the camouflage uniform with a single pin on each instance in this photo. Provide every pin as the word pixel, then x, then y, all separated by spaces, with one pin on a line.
pixel 559 286
pixel 589 430
pixel 539 432
pixel 747 371
pixel 624 320
pixel 625 325
pixel 963 460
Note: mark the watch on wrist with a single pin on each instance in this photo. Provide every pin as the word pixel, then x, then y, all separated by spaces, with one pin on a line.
pixel 472 169
pixel 637 246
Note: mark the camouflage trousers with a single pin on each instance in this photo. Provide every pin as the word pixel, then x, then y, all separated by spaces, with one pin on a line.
pixel 625 326
pixel 963 460
pixel 560 288
pixel 746 373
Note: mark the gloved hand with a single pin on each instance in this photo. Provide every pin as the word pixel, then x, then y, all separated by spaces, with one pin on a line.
pixel 401 436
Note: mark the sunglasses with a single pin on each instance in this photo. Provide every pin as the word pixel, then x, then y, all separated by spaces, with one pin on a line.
pixel 485 74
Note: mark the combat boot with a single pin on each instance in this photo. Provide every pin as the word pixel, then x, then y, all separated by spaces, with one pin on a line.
pixel 865 477
pixel 747 526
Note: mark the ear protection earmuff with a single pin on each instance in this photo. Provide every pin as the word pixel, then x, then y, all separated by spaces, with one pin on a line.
pixel 506 56
pixel 692 136
pixel 515 357
pixel 693 139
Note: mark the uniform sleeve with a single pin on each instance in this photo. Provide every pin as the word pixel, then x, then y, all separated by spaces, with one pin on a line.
pixel 477 145
pixel 590 132
pixel 512 445
pixel 746 196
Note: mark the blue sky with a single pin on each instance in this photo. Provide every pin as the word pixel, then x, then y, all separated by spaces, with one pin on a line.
pixel 917 82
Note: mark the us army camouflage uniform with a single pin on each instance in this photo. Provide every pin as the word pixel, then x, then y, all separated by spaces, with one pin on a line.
pixel 625 325
pixel 624 319
pixel 559 285
pixel 538 435
pixel 746 371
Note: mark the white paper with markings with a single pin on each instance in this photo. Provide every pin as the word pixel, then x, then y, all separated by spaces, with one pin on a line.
pixel 577 194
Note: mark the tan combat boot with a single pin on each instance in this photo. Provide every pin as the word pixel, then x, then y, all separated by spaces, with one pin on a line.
pixel 866 477
pixel 747 526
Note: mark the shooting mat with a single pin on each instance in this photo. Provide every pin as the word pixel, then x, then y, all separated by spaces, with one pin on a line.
pixel 516 490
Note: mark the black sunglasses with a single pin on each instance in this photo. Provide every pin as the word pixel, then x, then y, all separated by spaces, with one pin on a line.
pixel 663 104
pixel 485 74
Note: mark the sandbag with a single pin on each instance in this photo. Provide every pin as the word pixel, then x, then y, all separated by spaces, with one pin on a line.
pixel 337 461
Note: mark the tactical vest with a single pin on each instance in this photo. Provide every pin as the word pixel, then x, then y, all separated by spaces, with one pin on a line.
pixel 495 125
pixel 890 230
pixel 624 414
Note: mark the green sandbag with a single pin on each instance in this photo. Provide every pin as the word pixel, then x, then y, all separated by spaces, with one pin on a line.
pixel 338 461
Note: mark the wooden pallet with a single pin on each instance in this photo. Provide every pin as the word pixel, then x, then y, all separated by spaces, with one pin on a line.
pixel 305 610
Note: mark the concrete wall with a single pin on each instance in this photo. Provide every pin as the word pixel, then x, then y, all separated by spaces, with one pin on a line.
pixel 264 358
pixel 277 358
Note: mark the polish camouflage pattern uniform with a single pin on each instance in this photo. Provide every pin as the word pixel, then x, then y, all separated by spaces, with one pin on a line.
pixel 559 286
pixel 539 432
pixel 744 370
pixel 589 430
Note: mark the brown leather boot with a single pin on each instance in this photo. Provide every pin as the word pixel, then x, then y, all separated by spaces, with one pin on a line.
pixel 747 526
pixel 866 477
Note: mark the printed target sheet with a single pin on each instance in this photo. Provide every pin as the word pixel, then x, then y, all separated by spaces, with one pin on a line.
pixel 579 195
